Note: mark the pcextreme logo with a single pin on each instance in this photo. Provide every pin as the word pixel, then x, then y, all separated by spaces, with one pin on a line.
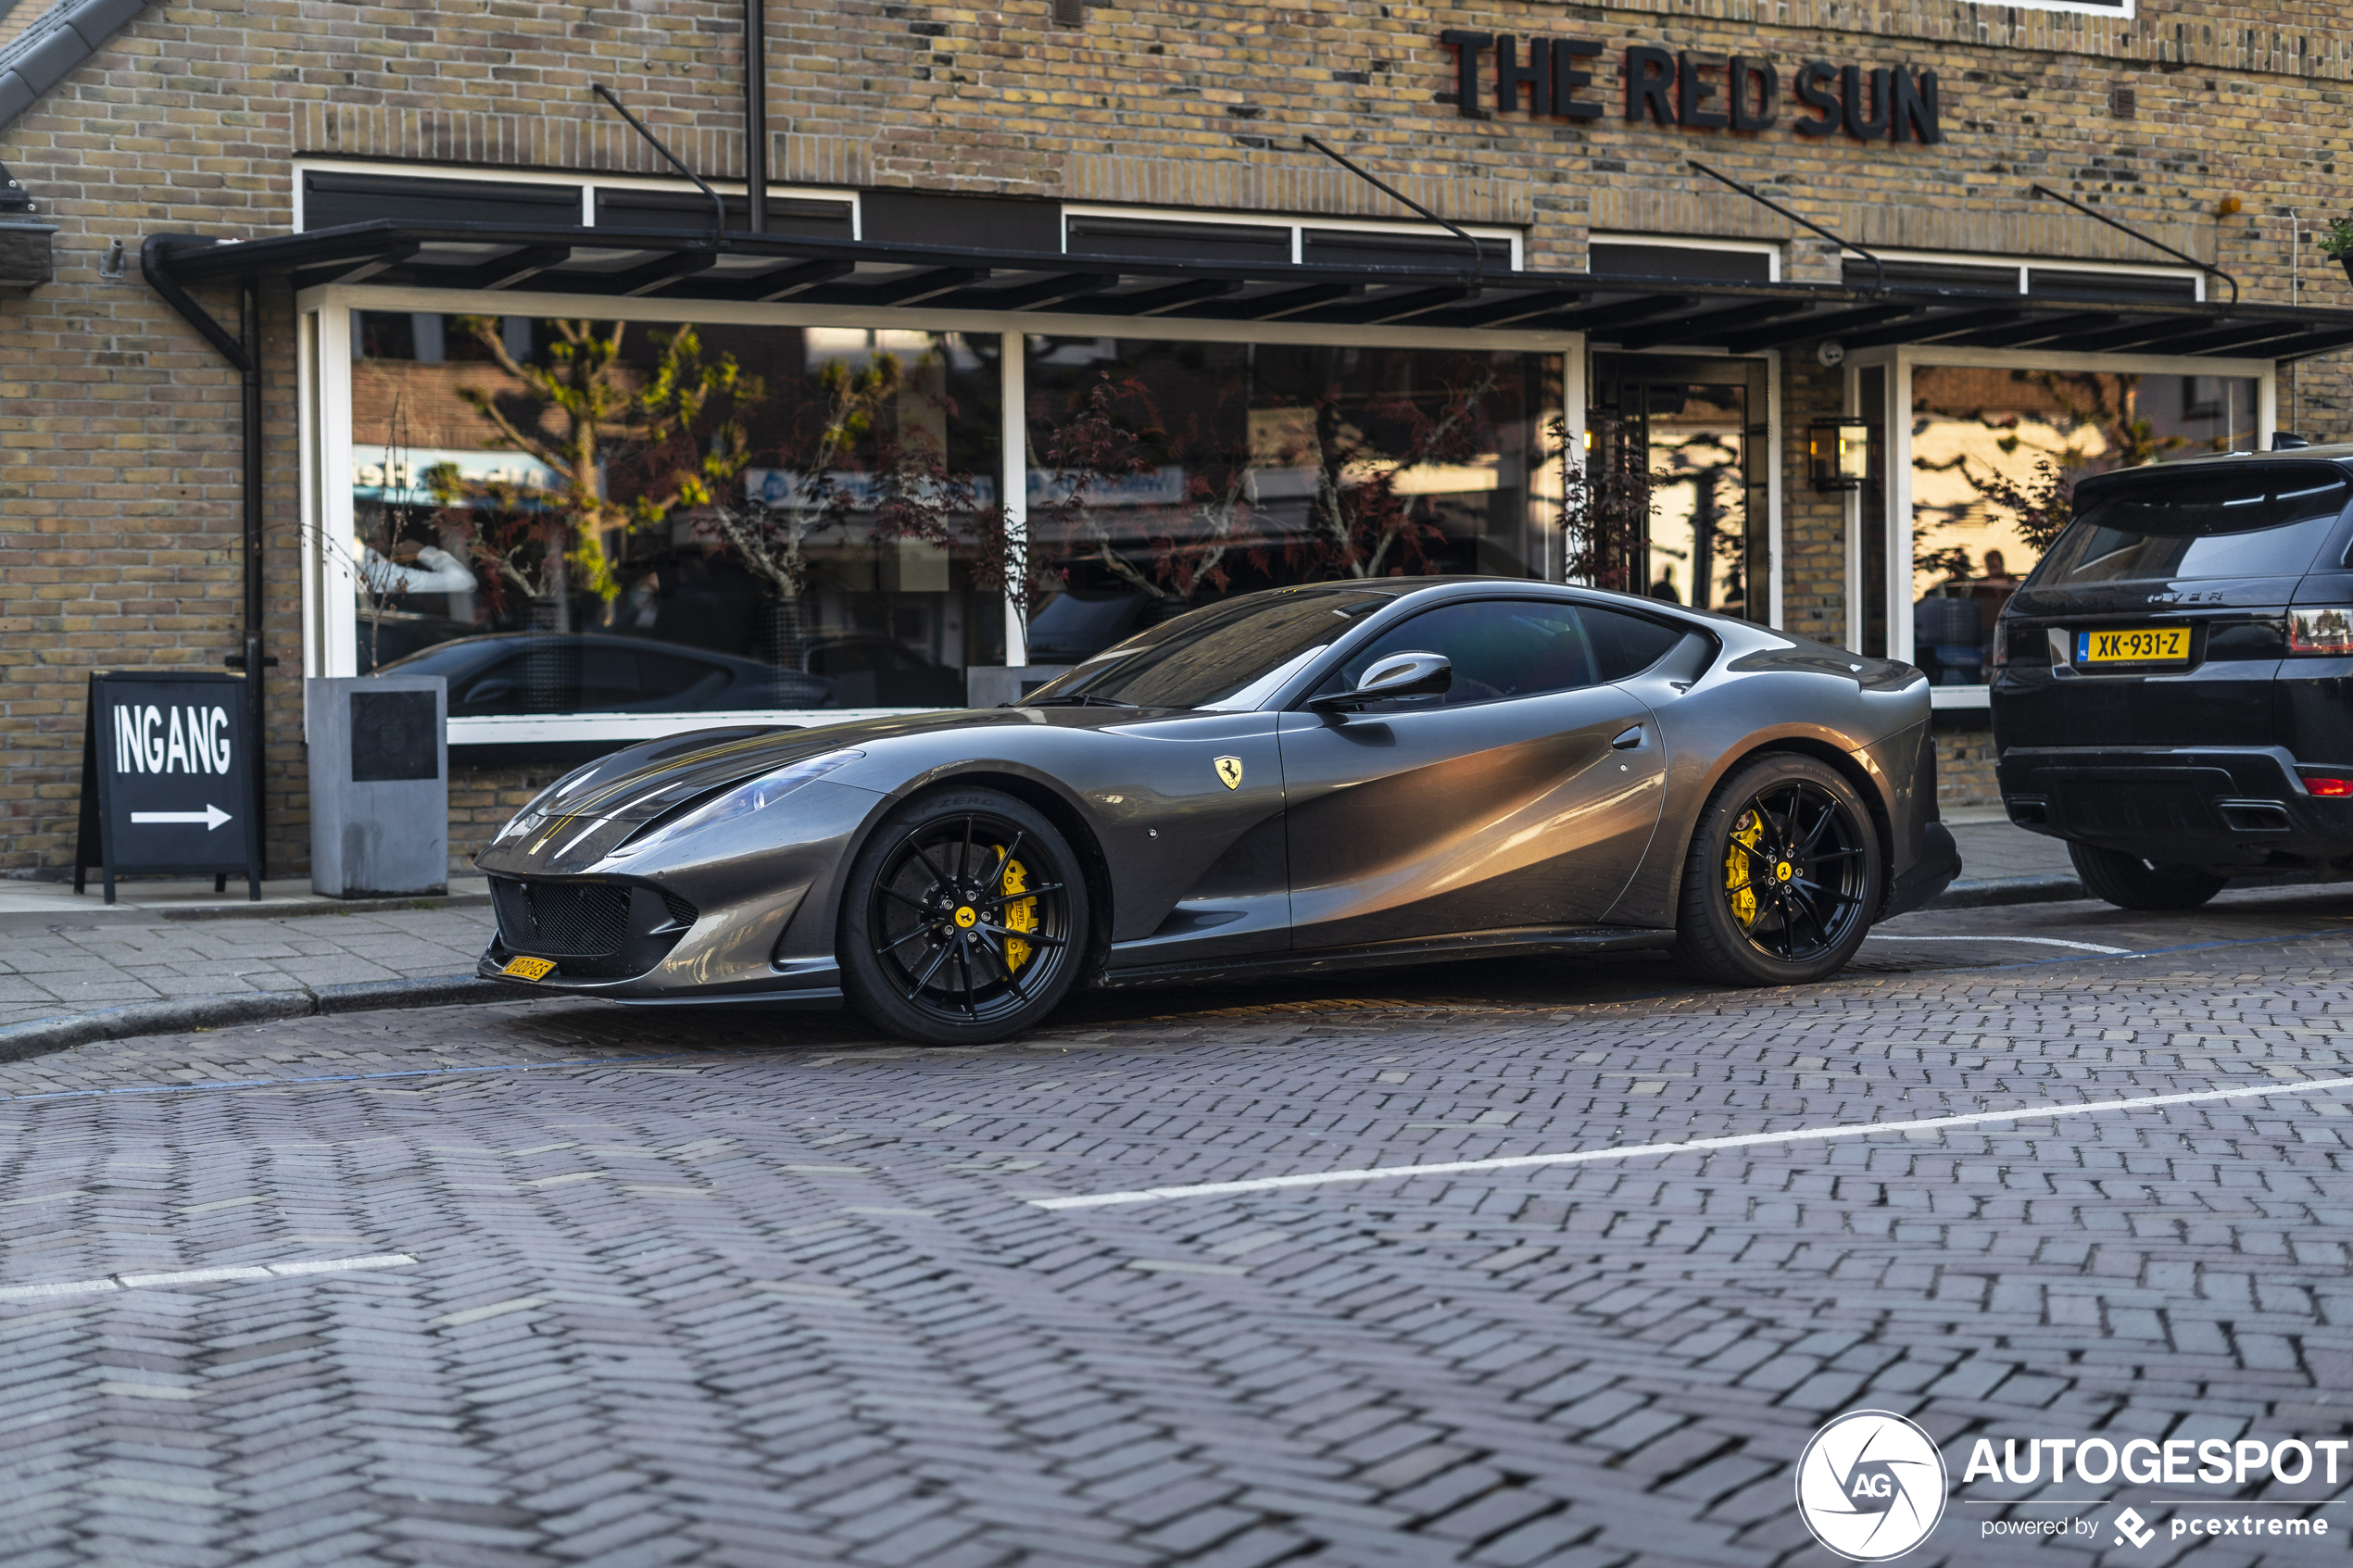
pixel 1870 1486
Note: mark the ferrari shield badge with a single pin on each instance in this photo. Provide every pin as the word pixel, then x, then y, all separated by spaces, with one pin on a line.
pixel 1229 771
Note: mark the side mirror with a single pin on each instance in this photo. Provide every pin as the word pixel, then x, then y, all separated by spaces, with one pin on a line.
pixel 1400 674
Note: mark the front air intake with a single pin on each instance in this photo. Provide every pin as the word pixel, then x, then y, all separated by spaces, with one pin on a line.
pixel 560 920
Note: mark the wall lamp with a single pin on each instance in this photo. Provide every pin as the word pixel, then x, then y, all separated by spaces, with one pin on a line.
pixel 1838 453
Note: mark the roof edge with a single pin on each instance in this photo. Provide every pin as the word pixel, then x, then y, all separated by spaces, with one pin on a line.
pixel 53 45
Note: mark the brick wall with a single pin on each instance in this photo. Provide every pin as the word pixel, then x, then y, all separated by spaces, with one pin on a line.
pixel 1965 768
pixel 482 799
pixel 119 505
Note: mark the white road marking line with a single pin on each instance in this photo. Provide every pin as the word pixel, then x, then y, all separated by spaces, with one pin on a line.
pixel 1692 1146
pixel 483 1314
pixel 203 1277
pixel 2038 941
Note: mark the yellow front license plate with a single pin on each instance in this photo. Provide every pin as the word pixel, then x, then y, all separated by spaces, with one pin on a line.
pixel 2136 645
pixel 529 969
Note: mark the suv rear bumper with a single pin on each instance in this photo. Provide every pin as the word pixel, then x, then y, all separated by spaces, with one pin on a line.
pixel 2224 806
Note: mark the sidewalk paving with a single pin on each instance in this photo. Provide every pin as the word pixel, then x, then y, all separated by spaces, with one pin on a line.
pixel 1992 849
pixel 170 954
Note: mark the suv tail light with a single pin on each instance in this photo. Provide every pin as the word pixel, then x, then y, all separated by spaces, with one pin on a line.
pixel 2329 788
pixel 2001 644
pixel 2325 629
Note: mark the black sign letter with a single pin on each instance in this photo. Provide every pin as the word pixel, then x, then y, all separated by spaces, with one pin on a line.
pixel 1756 92
pixel 1567 78
pixel 1510 76
pixel 1694 91
pixel 1913 107
pixel 1649 74
pixel 1812 88
pixel 1850 88
pixel 1467 48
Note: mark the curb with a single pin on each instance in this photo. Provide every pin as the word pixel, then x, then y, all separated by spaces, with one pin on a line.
pixel 40 1036
pixel 341 906
pixel 2008 890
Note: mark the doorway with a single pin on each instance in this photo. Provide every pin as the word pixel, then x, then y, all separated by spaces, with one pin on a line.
pixel 1701 423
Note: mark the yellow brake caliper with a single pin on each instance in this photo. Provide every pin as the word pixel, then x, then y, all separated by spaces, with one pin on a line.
pixel 1749 829
pixel 1020 915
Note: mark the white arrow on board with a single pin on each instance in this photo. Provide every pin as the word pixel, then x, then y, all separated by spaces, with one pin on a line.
pixel 212 817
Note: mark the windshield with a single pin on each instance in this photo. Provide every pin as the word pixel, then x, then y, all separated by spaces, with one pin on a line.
pixel 1229 655
pixel 2259 521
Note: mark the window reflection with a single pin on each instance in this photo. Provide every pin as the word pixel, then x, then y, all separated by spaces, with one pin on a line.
pixel 1165 476
pixel 818 505
pixel 1995 454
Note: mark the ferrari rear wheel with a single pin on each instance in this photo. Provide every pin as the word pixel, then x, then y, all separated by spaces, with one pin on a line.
pixel 963 921
pixel 1782 877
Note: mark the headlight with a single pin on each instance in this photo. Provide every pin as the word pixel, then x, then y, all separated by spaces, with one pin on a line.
pixel 2325 629
pixel 742 800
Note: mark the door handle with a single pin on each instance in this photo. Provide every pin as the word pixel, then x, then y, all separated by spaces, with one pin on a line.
pixel 1629 740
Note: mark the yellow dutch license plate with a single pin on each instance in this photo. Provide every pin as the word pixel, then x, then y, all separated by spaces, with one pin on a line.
pixel 2134 645
pixel 529 969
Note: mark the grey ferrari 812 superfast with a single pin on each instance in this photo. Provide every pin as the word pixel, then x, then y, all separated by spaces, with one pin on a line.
pixel 1377 773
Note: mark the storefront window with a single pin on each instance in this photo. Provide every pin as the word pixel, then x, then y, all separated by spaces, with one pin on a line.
pixel 663 519
pixel 1707 543
pixel 1995 455
pixel 1165 476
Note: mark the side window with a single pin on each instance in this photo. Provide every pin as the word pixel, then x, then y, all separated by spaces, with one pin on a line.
pixel 609 677
pixel 498 690
pixel 1499 649
pixel 667 675
pixel 1625 644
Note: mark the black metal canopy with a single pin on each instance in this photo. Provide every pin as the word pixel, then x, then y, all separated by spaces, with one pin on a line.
pixel 686 265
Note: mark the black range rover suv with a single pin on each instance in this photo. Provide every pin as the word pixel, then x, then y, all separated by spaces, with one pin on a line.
pixel 2173 691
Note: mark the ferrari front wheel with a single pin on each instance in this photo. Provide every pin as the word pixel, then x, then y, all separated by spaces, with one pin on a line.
pixel 1782 877
pixel 963 921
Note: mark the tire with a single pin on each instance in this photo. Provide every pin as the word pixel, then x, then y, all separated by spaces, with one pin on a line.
pixel 1783 878
pixel 963 920
pixel 2130 883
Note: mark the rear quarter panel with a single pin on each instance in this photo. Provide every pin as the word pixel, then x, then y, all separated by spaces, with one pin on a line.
pixel 1782 693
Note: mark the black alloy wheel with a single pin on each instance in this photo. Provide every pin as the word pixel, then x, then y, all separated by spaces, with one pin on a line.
pixel 1783 878
pixel 963 920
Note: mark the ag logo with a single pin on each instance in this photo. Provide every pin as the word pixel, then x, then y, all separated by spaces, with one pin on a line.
pixel 1870 1486
pixel 1229 771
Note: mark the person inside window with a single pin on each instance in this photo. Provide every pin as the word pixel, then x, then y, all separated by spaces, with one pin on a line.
pixel 413 568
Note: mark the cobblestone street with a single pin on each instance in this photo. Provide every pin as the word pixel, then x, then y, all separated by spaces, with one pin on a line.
pixel 567 1282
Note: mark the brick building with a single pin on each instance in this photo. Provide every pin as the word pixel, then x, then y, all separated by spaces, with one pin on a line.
pixel 1059 287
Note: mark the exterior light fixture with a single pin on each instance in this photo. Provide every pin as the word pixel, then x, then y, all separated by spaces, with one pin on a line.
pixel 1838 452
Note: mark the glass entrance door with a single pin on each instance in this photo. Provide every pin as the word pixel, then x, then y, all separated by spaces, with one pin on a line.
pixel 1701 427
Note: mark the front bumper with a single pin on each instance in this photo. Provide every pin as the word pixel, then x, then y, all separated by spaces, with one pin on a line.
pixel 636 942
pixel 2230 807
pixel 755 896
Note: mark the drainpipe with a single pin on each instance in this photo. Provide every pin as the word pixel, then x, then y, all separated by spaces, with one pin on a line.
pixel 244 353
pixel 254 660
pixel 756 114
